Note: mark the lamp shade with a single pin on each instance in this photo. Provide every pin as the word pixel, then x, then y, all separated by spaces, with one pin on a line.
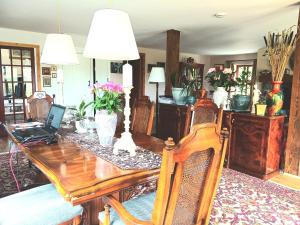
pixel 59 50
pixel 111 37
pixel 157 74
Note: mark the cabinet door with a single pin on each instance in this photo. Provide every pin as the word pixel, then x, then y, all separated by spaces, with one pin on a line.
pixel 249 143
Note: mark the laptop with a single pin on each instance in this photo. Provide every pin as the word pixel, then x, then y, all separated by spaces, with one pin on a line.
pixel 46 132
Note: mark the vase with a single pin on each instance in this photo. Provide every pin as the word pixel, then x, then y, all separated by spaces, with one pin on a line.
pixel 106 126
pixel 220 96
pixel 179 95
pixel 240 102
pixel 275 99
pixel 190 100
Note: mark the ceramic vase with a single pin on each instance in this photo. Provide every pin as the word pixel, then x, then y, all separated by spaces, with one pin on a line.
pixel 275 100
pixel 106 126
pixel 220 96
pixel 179 95
pixel 240 102
pixel 260 109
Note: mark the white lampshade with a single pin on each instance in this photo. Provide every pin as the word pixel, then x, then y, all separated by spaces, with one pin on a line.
pixel 111 37
pixel 157 75
pixel 59 50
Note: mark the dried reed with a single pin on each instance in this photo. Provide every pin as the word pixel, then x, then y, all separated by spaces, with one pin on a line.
pixel 279 49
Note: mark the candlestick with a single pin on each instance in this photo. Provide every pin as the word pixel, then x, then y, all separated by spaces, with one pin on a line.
pixel 127 75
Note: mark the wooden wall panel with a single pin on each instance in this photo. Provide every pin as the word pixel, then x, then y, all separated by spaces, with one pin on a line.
pixel 292 153
pixel 172 60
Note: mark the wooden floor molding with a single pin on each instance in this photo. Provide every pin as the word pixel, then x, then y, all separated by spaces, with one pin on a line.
pixel 287 180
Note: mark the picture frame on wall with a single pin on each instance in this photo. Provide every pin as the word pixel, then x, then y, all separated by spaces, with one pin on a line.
pixel 116 67
pixel 54 75
pixel 46 70
pixel 53 68
pixel 219 66
pixel 46 81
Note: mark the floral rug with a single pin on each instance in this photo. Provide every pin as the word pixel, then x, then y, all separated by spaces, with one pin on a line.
pixel 24 174
pixel 241 199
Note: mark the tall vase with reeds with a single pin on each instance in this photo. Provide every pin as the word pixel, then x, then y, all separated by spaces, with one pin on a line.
pixel 279 49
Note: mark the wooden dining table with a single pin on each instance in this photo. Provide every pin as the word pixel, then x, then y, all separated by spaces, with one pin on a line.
pixel 81 177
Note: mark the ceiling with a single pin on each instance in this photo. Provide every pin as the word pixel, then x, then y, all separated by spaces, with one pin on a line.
pixel 241 31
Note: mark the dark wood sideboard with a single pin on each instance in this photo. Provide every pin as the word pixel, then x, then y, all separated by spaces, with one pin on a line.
pixel 255 143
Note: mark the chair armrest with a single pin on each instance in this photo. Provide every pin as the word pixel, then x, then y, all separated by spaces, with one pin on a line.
pixel 122 212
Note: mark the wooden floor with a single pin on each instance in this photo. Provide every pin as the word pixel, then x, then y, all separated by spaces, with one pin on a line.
pixel 282 179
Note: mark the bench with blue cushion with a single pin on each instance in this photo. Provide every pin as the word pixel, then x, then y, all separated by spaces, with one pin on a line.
pixel 140 207
pixel 38 206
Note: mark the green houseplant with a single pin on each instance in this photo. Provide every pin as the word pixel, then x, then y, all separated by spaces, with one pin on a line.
pixel 240 102
pixel 80 117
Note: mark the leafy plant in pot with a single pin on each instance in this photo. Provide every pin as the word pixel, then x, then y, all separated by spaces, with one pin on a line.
pixel 80 117
pixel 178 88
pixel 261 105
pixel 240 102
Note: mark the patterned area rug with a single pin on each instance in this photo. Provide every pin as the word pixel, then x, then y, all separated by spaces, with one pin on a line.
pixel 241 199
pixel 24 174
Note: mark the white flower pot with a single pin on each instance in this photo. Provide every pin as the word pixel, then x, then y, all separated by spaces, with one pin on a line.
pixel 220 97
pixel 106 126
pixel 80 126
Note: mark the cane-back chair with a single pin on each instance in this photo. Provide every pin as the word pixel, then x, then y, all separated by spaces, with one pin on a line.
pixel 142 116
pixel 188 180
pixel 38 107
pixel 203 111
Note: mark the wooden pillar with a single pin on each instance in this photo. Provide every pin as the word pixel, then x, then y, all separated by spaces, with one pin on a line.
pixel 292 152
pixel 172 60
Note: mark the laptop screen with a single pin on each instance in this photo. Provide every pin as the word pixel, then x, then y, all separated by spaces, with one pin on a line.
pixel 55 116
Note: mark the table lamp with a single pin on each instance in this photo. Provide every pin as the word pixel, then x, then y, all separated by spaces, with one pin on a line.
pixel 59 50
pixel 157 75
pixel 111 37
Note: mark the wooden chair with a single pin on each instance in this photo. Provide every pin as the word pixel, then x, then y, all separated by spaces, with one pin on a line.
pixel 38 206
pixel 38 107
pixel 203 111
pixel 188 180
pixel 142 116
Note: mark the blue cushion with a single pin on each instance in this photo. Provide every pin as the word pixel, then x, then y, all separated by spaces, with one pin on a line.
pixel 38 206
pixel 140 207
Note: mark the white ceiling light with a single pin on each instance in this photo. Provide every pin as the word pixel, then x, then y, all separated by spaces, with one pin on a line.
pixel 220 14
pixel 111 37
pixel 59 50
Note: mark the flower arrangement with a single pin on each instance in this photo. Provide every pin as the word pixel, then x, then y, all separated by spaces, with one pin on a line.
pixel 108 96
pixel 220 78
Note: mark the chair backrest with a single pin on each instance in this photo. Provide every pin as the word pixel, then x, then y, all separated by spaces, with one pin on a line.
pixel 189 177
pixel 142 116
pixel 203 111
pixel 38 107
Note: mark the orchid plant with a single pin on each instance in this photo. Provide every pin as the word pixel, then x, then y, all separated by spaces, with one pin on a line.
pixel 220 78
pixel 108 96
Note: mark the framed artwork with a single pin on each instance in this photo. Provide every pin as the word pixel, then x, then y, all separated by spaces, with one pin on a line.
pixel 53 68
pixel 46 71
pixel 161 64
pixel 219 66
pixel 54 75
pixel 116 67
pixel 46 81
pixel 149 68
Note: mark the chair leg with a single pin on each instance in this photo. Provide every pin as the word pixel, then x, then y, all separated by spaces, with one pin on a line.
pixel 76 220
pixel 107 215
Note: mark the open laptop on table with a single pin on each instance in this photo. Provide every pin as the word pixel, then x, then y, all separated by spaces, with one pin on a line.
pixel 44 133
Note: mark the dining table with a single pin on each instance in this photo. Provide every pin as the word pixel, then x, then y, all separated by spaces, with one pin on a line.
pixel 82 177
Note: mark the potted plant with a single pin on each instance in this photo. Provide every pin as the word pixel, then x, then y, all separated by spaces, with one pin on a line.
pixel 80 116
pixel 261 105
pixel 240 102
pixel 107 104
pixel 221 81
pixel 178 88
